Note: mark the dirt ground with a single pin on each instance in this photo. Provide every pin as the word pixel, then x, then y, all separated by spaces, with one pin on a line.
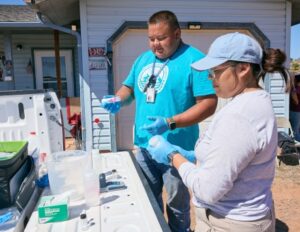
pixel 286 194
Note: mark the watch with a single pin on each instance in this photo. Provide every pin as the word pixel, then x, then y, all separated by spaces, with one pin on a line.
pixel 171 155
pixel 172 124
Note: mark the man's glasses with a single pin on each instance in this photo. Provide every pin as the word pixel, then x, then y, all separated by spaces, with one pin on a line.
pixel 212 72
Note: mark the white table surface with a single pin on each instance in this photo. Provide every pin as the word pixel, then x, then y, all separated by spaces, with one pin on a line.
pixel 128 210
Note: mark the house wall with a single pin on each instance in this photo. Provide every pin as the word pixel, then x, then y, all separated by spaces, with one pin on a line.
pixel 101 18
pixel 24 79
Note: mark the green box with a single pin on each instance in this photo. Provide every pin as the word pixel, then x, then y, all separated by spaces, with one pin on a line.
pixel 13 154
pixel 53 208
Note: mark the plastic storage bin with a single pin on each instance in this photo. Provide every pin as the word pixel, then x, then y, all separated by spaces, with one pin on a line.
pixel 12 172
pixel 65 172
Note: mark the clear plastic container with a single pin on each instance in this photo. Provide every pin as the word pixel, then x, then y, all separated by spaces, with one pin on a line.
pixel 91 188
pixel 65 172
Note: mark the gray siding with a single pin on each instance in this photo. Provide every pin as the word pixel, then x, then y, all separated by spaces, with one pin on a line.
pixel 102 18
pixel 102 131
pixel 105 17
pixel 23 79
pixel 280 98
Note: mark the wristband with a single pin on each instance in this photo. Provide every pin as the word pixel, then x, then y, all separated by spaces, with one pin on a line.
pixel 172 124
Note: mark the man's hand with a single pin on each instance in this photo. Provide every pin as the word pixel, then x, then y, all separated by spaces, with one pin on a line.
pixel 158 127
pixel 111 103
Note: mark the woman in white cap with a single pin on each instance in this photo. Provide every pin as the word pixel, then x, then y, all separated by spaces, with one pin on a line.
pixel 231 182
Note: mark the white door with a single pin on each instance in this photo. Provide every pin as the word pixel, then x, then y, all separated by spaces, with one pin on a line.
pixel 45 72
pixel 126 49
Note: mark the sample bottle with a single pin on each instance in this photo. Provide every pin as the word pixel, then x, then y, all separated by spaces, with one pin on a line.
pixel 91 187
pixel 83 222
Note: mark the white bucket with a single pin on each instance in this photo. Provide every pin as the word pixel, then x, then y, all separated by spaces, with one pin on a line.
pixel 65 171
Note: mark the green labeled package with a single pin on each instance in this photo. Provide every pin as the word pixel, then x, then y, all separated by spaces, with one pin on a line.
pixel 53 208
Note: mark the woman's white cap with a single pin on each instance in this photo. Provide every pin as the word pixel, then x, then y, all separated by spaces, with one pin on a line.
pixel 233 46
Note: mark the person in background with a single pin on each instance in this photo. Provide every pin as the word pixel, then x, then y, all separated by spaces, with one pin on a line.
pixel 231 182
pixel 295 107
pixel 277 58
pixel 171 98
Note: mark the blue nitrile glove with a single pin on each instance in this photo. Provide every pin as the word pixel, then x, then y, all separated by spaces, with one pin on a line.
pixel 159 148
pixel 43 181
pixel 158 127
pixel 189 155
pixel 111 103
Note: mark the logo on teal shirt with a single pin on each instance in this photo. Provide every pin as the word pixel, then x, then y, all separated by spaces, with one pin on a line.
pixel 146 73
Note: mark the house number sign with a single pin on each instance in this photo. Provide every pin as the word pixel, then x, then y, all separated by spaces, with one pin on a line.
pixel 96 52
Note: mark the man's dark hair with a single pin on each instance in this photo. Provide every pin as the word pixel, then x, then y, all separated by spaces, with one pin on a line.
pixel 164 16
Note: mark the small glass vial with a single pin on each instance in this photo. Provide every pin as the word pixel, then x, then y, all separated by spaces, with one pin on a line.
pixel 83 222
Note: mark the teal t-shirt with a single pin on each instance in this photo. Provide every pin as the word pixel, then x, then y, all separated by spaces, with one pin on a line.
pixel 176 87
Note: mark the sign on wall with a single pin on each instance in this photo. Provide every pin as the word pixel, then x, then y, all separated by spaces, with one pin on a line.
pixel 97 59
pixel 97 64
pixel 97 52
pixel 6 69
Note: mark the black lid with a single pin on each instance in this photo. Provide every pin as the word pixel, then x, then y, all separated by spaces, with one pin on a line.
pixel 82 216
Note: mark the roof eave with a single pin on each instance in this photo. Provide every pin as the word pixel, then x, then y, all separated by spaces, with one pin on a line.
pixel 295 11
pixel 58 12
pixel 21 25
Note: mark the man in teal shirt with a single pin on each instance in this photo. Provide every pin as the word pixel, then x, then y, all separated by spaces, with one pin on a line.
pixel 171 98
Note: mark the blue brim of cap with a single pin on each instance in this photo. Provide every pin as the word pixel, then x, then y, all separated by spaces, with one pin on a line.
pixel 207 63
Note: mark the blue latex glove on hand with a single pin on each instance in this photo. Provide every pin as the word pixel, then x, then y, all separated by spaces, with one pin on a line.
pixel 189 155
pixel 111 103
pixel 159 149
pixel 158 127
